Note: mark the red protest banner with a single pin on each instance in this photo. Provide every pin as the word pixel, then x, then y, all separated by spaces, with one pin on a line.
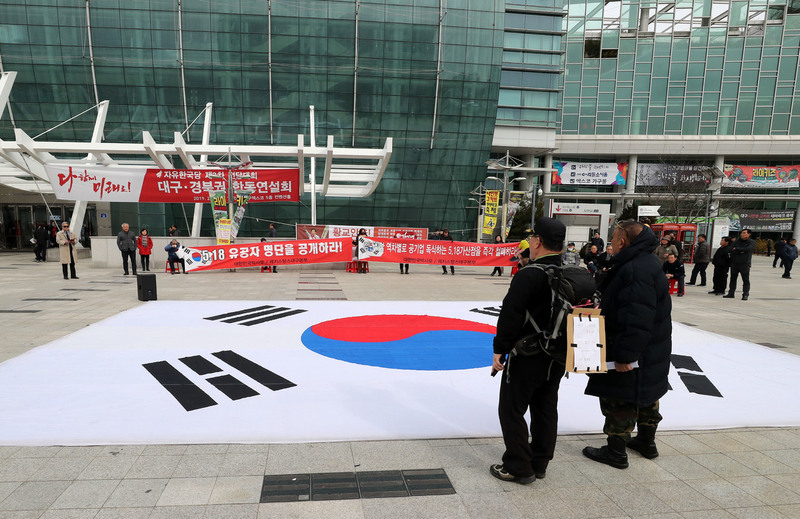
pixel 434 252
pixel 193 185
pixel 301 252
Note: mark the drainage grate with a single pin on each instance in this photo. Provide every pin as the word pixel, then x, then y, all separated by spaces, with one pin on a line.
pixel 19 311
pixel 355 485
pixel 86 289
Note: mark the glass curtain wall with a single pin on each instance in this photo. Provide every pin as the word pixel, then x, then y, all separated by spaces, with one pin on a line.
pixel 426 76
pixel 686 67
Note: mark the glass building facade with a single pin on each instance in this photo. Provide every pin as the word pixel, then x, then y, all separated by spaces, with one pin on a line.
pixel 426 76
pixel 686 67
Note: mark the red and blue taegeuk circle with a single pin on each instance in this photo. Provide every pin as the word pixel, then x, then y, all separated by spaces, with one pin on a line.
pixel 416 342
pixel 196 256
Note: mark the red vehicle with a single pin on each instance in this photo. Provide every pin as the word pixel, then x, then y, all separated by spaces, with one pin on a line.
pixel 687 233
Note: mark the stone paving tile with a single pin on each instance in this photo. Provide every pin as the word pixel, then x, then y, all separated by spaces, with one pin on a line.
pixel 35 452
pixel 683 467
pixel 80 452
pixel 108 467
pixel 7 487
pixel 534 503
pixel 34 495
pixel 760 462
pixel 725 494
pixel 393 455
pixel 786 456
pixel 124 513
pixel 178 512
pixel 790 438
pixel 766 490
pixel 685 444
pixel 721 442
pixel 72 513
pixel 472 480
pixel 198 466
pixel 708 514
pixel 186 491
pixel 790 481
pixel 231 512
pixel 244 464
pixel 722 465
pixel 237 490
pixel 192 450
pixel 314 457
pixel 59 468
pixel 21 514
pixel 634 499
pixel 456 456
pixel 136 493
pixel 428 507
pixel 164 450
pixel 564 475
pixel 758 512
pixel 671 515
pixel 759 440
pixel 790 511
pixel 351 509
pixel 149 467
pixel 588 501
pixel 86 494
pixel 500 505
pixel 6 451
pixel 679 496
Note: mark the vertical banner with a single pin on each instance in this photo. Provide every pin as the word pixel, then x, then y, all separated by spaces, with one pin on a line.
pixel 224 231
pixel 490 213
pixel 242 197
pixel 219 207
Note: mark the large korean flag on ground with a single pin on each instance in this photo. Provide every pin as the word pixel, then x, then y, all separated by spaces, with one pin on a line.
pixel 300 371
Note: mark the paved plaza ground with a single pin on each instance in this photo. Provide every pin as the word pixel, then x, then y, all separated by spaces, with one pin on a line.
pixel 744 473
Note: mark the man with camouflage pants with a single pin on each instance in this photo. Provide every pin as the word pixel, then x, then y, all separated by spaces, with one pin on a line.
pixel 637 310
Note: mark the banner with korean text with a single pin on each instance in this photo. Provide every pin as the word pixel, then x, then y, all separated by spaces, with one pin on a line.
pixel 780 177
pixel 435 252
pixel 590 173
pixel 301 252
pixel 118 184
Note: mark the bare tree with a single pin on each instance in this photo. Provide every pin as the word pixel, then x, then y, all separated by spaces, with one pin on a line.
pixel 680 188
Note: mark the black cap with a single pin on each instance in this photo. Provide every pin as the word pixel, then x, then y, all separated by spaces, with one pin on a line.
pixel 550 229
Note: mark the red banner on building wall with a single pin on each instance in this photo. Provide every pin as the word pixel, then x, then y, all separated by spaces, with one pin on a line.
pixel 435 252
pixel 117 184
pixel 301 252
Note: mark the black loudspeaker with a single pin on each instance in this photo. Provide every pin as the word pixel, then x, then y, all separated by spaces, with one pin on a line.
pixel 146 286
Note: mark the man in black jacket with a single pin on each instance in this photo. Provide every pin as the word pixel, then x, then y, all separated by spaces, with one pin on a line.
pixel 702 255
pixel 637 310
pixel 722 263
pixel 741 258
pixel 528 382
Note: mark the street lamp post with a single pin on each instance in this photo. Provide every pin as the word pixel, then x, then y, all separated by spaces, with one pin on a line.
pixel 534 192
pixel 509 163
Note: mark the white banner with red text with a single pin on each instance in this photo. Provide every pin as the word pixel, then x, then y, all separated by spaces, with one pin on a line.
pixel 435 252
pixel 303 231
pixel 115 184
pixel 301 252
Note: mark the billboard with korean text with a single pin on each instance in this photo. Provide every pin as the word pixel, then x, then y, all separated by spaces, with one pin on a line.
pixel 590 173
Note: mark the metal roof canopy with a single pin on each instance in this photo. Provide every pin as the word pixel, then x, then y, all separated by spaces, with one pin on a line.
pixel 22 161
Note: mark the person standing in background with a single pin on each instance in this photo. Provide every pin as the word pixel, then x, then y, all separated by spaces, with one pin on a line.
pixel 702 255
pixel 42 238
pixel 741 259
pixel 66 249
pixel 145 245
pixel 126 243
pixel 722 263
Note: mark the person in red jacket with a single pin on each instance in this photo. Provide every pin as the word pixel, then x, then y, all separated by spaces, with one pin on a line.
pixel 145 245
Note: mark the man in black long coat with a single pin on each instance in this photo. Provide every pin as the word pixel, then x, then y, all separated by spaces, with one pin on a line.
pixel 722 263
pixel 637 310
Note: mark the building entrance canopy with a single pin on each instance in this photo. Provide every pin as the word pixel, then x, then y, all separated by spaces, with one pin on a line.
pixel 347 172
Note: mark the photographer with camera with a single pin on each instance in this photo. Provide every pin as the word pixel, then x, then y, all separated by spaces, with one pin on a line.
pixel 531 381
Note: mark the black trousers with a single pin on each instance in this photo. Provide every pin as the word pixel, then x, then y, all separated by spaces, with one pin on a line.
pixel 744 270
pixel 787 266
pixel 145 262
pixel 128 254
pixel 179 261
pixel 71 264
pixel 720 279
pixel 530 387
pixel 40 251
pixel 699 268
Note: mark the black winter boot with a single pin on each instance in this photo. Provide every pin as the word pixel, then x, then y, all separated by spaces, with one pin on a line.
pixel 645 443
pixel 613 454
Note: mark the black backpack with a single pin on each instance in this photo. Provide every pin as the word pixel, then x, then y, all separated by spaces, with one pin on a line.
pixel 571 286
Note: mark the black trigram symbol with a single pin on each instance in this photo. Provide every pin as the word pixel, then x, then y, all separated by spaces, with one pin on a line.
pixel 255 315
pixel 694 383
pixel 494 311
pixel 191 397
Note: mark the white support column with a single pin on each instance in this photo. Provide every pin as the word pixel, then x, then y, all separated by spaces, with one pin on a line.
pixel 313 173
pixel 198 208
pixel 6 82
pixel 796 231
pixel 79 211
pixel 547 182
